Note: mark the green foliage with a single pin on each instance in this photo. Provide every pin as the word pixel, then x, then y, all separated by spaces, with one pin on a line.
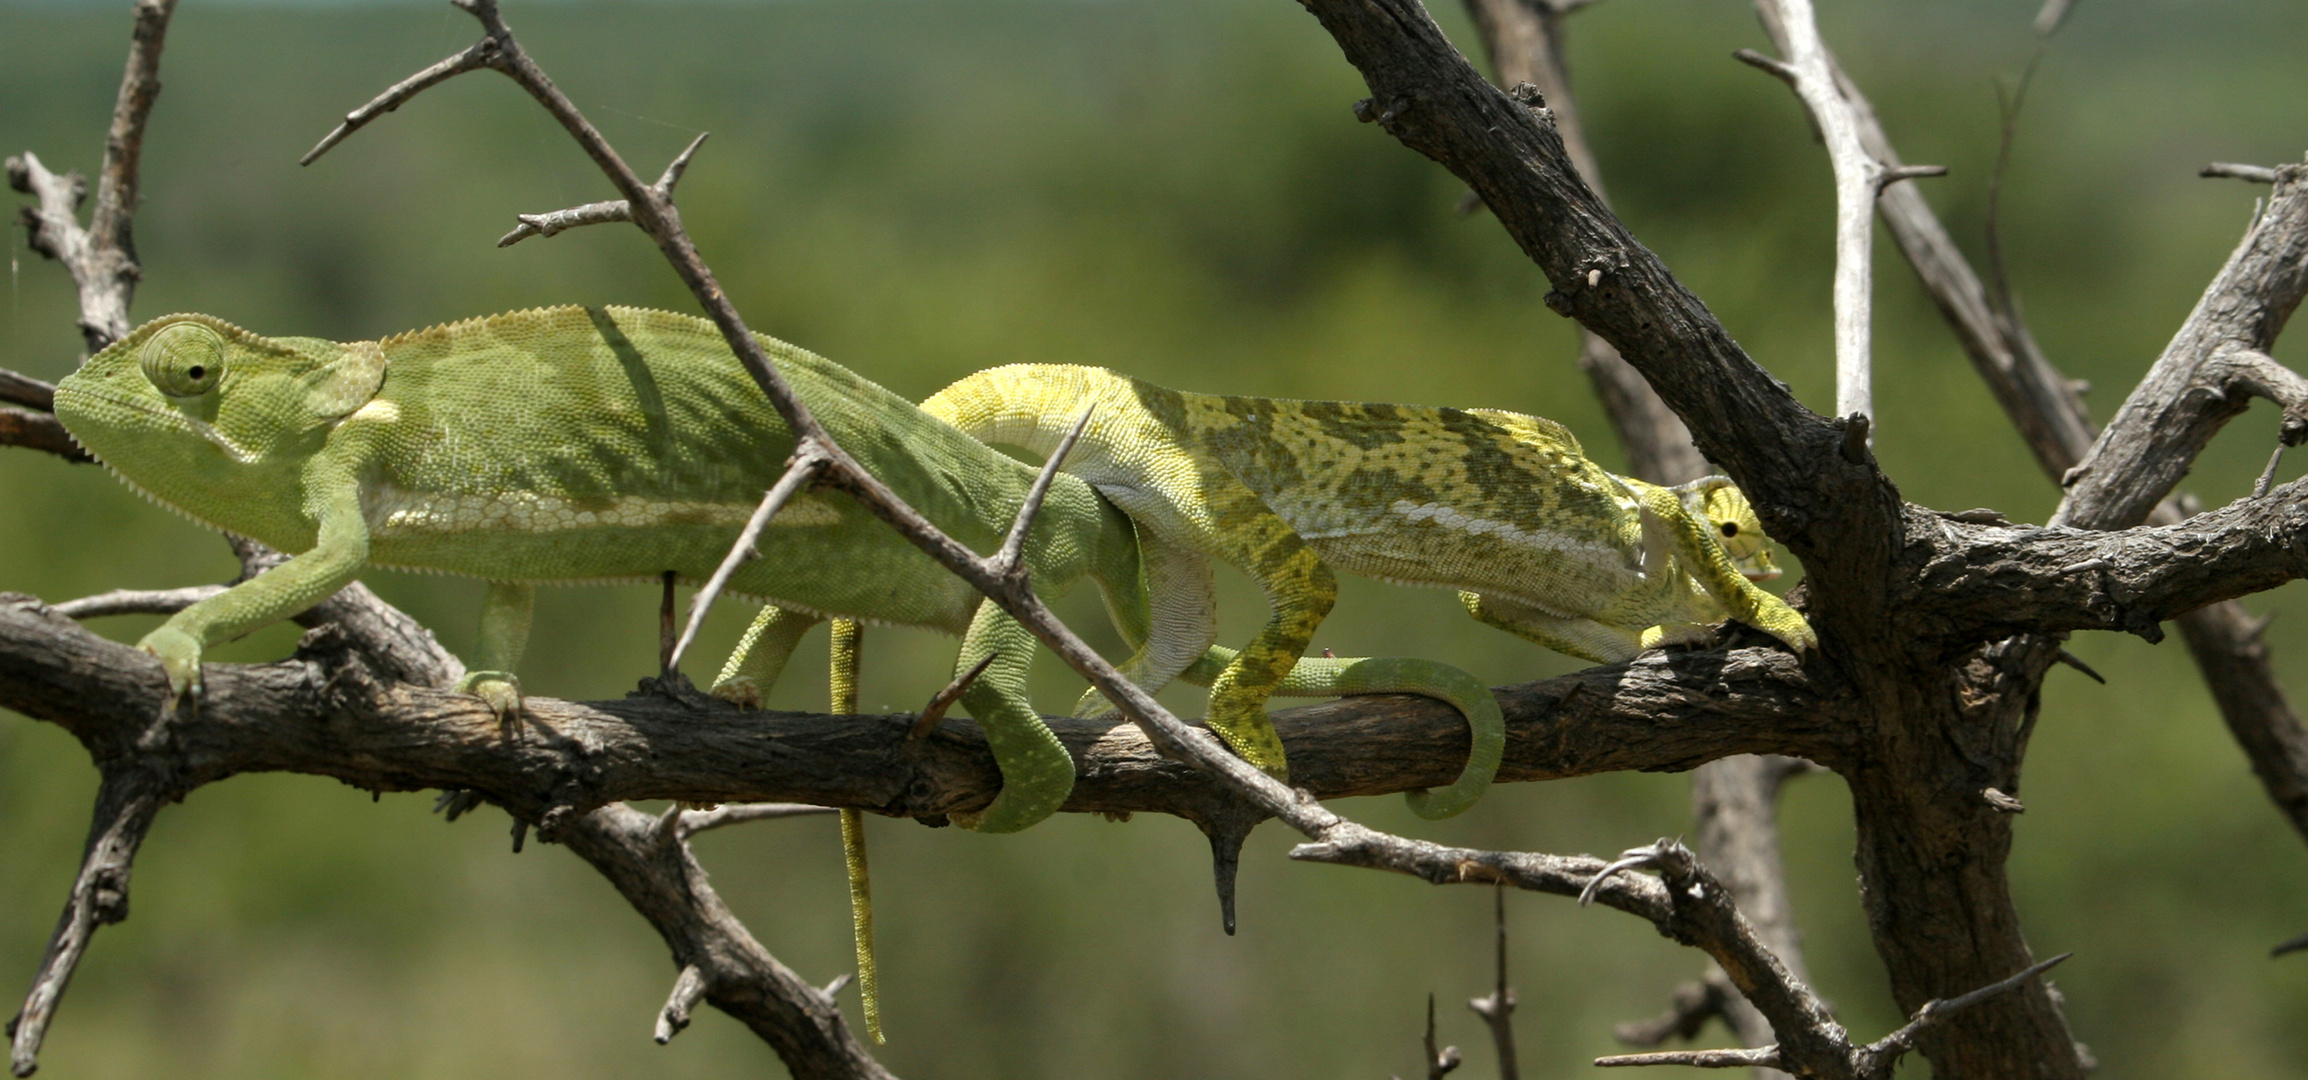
pixel 1175 189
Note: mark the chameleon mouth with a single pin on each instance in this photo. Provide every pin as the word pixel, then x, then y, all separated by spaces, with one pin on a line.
pixel 170 417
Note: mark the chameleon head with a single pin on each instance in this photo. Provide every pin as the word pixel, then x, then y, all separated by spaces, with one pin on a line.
pixel 205 416
pixel 1717 501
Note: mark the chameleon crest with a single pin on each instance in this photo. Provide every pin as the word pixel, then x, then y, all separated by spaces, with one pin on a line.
pixel 1505 508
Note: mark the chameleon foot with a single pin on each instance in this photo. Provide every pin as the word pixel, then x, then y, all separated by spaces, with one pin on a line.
pixel 179 655
pixel 499 689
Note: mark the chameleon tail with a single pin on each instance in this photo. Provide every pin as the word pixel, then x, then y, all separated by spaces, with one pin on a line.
pixel 848 637
pixel 1323 676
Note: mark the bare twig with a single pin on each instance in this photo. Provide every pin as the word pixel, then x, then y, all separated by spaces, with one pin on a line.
pixel 2257 174
pixel 1498 1007
pixel 693 822
pixel 935 712
pixel 808 461
pixel 2294 945
pixel 102 257
pixel 688 990
pixel 137 602
pixel 1688 1010
pixel 1882 1054
pixel 1442 1062
pixel 125 804
pixel 1762 1057
pixel 1859 178
pixel 600 213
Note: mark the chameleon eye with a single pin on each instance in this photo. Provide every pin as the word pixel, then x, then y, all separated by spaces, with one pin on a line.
pixel 185 360
pixel 1730 529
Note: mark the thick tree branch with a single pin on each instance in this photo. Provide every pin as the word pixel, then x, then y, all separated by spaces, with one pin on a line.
pixel 39 431
pixel 1993 581
pixel 327 713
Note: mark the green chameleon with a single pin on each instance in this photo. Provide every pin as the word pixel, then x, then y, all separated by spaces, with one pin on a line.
pixel 1503 507
pixel 577 444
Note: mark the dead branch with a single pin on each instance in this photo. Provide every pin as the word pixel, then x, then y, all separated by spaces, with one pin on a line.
pixel 328 711
pixel 1859 178
pixel 125 804
pixel 2214 366
pixel 102 257
pixel 1497 1008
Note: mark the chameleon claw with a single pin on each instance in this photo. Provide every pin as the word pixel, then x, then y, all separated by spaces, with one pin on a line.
pixel 742 691
pixel 499 690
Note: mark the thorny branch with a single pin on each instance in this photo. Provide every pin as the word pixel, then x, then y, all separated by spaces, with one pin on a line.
pixel 1812 480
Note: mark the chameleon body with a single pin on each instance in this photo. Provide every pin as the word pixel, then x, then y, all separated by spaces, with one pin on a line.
pixel 1506 508
pixel 576 444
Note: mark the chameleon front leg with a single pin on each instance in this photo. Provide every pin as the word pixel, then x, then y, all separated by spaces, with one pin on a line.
pixel 506 611
pixel 760 657
pixel 848 646
pixel 1037 773
pixel 341 549
pixel 1695 543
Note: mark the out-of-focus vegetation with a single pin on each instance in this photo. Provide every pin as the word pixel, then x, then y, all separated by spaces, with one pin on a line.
pixel 1177 189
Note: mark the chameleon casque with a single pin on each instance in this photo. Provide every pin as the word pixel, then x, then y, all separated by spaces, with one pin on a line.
pixel 587 444
pixel 1506 508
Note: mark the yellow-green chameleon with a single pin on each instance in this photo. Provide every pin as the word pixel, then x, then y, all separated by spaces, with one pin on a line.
pixel 574 444
pixel 1503 507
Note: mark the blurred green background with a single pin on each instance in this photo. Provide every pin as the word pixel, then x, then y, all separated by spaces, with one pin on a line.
pixel 1178 189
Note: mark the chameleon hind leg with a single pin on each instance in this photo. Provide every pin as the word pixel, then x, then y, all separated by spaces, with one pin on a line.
pixel 1300 591
pixel 1037 772
pixel 848 642
pixel 1326 676
pixel 506 611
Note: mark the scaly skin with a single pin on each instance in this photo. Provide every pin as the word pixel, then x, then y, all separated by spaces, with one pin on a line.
pixel 1503 507
pixel 575 444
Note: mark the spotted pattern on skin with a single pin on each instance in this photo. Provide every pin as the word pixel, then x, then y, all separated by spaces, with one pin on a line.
pixel 1504 507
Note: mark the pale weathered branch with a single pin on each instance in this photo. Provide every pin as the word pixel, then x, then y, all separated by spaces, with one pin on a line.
pixel 599 213
pixel 137 602
pixel 101 257
pixel 1859 178
pixel 2207 375
pixel 2225 170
